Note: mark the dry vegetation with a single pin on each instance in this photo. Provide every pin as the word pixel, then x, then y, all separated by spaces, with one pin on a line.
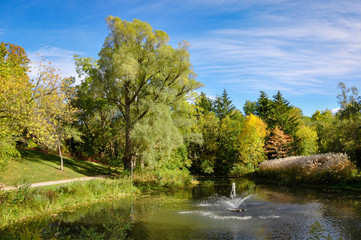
pixel 329 167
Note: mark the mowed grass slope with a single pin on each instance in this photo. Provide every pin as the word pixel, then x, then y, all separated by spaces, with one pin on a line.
pixel 34 166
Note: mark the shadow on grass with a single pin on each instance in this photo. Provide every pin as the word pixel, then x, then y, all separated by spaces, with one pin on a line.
pixel 79 166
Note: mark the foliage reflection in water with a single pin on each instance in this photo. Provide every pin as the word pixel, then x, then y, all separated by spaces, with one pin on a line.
pixel 203 213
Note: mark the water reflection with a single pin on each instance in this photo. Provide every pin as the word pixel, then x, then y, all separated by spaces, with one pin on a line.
pixel 202 212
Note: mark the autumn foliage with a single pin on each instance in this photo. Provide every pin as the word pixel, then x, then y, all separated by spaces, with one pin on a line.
pixel 251 141
pixel 279 144
pixel 30 108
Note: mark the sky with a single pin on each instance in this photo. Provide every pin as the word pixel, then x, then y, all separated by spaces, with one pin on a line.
pixel 301 48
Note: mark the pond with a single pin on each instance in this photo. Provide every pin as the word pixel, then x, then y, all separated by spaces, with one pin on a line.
pixel 208 211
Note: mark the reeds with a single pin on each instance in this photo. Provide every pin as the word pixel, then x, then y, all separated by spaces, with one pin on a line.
pixel 323 168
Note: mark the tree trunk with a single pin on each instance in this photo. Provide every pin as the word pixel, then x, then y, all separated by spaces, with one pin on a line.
pixel 61 156
pixel 128 154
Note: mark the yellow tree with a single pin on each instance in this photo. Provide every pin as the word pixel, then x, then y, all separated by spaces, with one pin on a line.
pixel 51 110
pixel 15 88
pixel 15 93
pixel 251 141
pixel 34 108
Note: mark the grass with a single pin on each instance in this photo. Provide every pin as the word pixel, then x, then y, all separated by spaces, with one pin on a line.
pixel 26 203
pixel 35 166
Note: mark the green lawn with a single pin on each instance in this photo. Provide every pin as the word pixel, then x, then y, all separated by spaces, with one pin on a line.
pixel 34 166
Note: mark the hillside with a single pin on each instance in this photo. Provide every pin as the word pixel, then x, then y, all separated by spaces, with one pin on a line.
pixel 34 166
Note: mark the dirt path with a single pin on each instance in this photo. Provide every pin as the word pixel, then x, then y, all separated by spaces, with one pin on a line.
pixel 40 184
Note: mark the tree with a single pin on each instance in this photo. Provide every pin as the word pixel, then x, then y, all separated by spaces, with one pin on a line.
pixel 204 104
pixel 327 131
pixel 250 108
pixel 31 108
pixel 51 111
pixel 251 141
pixel 100 123
pixel 223 105
pixel 264 107
pixel 227 153
pixel 307 138
pixel 138 70
pixel 350 104
pixel 15 89
pixel 279 144
pixel 283 115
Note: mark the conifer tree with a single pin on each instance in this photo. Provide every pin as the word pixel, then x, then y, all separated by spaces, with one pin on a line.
pixel 223 105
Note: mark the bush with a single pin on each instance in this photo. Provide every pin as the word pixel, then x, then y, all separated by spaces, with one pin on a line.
pixel 162 178
pixel 7 150
pixel 240 169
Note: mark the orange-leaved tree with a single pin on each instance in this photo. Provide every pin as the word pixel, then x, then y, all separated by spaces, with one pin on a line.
pixel 279 144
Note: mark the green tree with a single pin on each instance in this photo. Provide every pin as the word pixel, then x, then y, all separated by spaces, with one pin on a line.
pixel 307 140
pixel 223 105
pixel 100 123
pixel 250 108
pixel 138 70
pixel 350 103
pixel 284 115
pixel 327 131
pixel 204 104
pixel 264 107
pixel 227 153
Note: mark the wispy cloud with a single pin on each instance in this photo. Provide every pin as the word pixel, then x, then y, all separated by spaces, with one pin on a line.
pixel 61 59
pixel 297 55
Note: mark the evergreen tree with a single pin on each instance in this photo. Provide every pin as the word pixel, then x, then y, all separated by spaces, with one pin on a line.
pixel 204 104
pixel 264 107
pixel 223 106
pixel 250 108
pixel 283 116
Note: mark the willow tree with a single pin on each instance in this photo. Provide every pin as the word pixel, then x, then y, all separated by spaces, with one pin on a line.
pixel 137 70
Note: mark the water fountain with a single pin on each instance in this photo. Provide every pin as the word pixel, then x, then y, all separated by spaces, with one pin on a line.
pixel 223 207
pixel 236 203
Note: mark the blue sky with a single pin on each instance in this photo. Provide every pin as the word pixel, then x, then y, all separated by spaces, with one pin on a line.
pixel 302 48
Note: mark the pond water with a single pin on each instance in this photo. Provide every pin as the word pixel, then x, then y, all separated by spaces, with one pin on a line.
pixel 212 210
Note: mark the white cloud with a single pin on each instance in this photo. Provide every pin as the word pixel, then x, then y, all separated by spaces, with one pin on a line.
pixel 335 110
pixel 61 59
pixel 295 54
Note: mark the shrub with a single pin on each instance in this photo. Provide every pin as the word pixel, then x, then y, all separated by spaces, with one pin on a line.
pixel 240 169
pixel 162 178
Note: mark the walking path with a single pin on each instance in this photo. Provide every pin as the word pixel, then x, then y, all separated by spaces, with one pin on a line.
pixel 40 184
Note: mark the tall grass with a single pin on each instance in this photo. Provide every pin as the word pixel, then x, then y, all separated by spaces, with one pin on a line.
pixel 320 168
pixel 26 203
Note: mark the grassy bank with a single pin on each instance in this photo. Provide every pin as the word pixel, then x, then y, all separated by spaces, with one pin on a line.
pixel 35 166
pixel 25 203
